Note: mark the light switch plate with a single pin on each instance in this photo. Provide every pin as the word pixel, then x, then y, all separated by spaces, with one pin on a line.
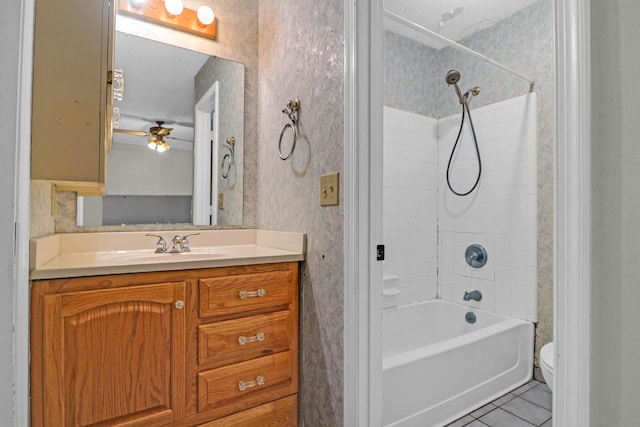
pixel 329 189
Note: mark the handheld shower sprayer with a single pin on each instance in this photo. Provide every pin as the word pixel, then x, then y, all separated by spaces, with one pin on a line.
pixel 452 78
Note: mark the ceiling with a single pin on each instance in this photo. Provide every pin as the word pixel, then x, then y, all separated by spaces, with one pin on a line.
pixel 159 85
pixel 453 19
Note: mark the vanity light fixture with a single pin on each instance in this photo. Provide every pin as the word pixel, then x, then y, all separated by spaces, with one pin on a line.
pixel 172 13
pixel 156 143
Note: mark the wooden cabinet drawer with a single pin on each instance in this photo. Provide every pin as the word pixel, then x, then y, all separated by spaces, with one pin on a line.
pixel 247 384
pixel 240 294
pixel 280 413
pixel 238 340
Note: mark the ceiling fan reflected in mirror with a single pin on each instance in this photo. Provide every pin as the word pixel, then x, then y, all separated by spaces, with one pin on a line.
pixel 156 134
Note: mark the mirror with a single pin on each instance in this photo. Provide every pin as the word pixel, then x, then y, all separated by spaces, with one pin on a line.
pixel 195 104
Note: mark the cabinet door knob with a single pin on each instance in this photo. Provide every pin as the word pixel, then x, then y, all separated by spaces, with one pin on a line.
pixel 179 304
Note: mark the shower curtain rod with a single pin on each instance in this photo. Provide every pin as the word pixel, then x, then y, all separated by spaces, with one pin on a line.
pixel 458 46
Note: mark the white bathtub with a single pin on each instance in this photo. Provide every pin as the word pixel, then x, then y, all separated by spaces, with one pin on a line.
pixel 437 367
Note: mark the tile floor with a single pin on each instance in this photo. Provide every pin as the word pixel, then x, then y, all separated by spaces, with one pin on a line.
pixel 526 406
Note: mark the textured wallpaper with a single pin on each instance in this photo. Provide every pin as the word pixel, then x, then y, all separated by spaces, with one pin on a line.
pixel 40 219
pixel 302 56
pixel 525 42
pixel 410 76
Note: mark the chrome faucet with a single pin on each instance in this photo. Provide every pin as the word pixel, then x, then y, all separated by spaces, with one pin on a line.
pixel 178 244
pixel 473 295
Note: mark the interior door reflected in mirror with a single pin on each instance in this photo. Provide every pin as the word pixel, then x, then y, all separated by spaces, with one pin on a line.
pixel 177 111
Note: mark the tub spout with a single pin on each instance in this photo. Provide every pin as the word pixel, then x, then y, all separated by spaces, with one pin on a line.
pixel 473 295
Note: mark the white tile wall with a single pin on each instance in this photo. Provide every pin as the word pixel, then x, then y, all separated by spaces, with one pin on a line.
pixel 500 214
pixel 410 206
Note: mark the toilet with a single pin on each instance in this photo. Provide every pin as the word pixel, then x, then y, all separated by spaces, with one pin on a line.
pixel 546 364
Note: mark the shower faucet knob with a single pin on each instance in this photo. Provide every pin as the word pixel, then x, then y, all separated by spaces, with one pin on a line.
pixel 476 255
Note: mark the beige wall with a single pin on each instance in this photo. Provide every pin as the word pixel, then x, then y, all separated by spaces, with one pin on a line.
pixel 615 174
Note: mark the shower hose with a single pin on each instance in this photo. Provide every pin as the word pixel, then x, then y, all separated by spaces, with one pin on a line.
pixel 465 108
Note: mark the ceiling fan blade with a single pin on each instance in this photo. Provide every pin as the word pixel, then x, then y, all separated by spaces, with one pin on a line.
pixel 131 132
pixel 178 139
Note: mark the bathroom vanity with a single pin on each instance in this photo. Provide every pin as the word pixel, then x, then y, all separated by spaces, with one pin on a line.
pixel 188 339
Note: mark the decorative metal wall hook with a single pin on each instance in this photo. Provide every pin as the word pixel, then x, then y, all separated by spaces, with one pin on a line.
pixel 228 159
pixel 291 111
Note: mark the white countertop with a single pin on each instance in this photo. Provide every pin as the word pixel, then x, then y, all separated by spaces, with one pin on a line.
pixel 93 254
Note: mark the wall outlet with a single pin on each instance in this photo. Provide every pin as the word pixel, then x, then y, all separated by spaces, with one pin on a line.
pixel 329 189
pixel 220 200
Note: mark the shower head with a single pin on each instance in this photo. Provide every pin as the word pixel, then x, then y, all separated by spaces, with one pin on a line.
pixel 452 78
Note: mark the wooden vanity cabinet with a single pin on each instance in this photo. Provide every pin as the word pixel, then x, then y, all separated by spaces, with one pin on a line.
pixel 113 356
pixel 209 347
pixel 72 96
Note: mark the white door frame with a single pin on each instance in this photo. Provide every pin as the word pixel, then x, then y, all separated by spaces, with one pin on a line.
pixel 203 158
pixel 21 336
pixel 572 288
pixel 363 213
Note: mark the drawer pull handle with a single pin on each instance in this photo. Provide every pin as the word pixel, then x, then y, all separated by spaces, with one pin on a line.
pixel 242 340
pixel 242 386
pixel 257 294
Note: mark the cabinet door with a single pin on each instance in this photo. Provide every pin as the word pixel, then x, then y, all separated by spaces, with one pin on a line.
pixel 115 356
pixel 71 120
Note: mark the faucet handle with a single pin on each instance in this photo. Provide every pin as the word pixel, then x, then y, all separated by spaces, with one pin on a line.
pixel 161 244
pixel 184 243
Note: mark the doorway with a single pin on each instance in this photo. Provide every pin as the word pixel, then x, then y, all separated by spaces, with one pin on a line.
pixel 363 154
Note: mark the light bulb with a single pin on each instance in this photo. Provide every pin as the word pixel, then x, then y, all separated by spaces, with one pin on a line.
pixel 137 3
pixel 174 7
pixel 161 148
pixel 152 145
pixel 205 15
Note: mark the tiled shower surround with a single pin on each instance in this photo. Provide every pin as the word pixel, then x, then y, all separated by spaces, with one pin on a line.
pixel 410 207
pixel 500 214
pixel 414 82
pixel 427 228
